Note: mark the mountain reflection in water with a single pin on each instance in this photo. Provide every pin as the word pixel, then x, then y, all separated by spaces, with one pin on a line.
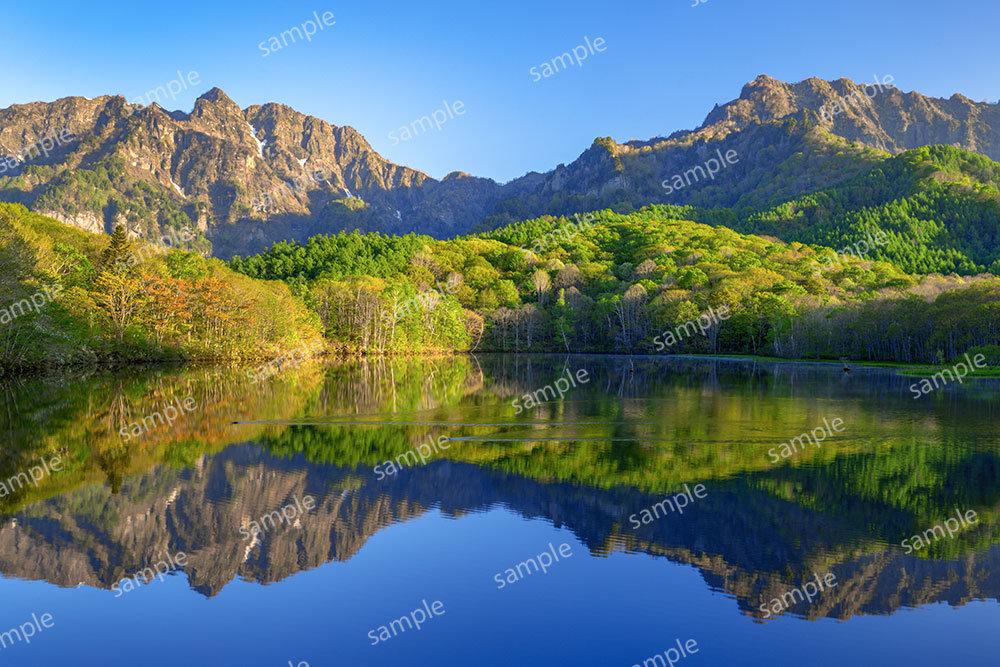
pixel 639 431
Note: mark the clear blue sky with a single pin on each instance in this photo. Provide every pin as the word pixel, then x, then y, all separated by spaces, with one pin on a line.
pixel 385 63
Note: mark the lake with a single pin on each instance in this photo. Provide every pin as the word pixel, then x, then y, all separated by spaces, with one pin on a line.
pixel 535 510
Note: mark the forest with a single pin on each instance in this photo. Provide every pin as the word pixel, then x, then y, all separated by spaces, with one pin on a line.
pixel 72 297
pixel 617 282
pixel 888 266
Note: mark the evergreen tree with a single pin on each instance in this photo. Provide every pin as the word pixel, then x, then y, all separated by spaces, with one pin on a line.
pixel 115 256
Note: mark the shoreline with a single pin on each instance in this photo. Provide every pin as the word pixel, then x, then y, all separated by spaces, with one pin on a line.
pixel 903 369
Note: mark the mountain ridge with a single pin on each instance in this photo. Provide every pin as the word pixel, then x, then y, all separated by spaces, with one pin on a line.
pixel 245 178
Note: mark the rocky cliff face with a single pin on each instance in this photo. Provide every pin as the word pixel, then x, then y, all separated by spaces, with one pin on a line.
pixel 244 178
pixel 248 177
pixel 880 116
pixel 787 139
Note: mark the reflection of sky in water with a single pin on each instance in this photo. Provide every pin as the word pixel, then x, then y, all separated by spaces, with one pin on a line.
pixel 615 609
pixel 571 471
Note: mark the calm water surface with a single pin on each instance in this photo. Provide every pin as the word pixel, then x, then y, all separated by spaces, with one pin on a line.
pixel 572 475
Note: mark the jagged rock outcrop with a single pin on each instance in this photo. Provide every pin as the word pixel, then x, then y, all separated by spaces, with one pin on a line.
pixel 248 177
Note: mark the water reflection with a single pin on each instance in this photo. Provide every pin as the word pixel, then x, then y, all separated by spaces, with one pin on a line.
pixel 900 467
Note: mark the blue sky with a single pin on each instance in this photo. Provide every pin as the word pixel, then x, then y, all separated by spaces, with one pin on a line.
pixel 385 63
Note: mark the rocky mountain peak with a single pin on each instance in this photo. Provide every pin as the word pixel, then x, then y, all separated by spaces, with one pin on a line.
pixel 249 177
pixel 215 94
pixel 216 105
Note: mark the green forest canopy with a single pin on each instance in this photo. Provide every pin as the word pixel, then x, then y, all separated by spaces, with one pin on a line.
pixel 613 285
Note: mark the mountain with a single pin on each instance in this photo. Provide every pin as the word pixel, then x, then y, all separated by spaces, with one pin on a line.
pixel 244 178
pixel 788 139
pixel 876 115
